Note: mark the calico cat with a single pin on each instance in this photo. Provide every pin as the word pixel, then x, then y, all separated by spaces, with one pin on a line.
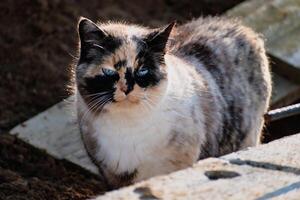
pixel 152 101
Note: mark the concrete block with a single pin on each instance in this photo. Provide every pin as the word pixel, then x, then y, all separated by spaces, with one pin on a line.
pixel 56 131
pixel 258 173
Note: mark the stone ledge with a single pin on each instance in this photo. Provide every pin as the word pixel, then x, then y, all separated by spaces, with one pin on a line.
pixel 264 172
pixel 56 131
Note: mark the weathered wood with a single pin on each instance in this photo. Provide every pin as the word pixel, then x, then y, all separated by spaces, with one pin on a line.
pixel 284 92
pixel 279 22
pixel 284 69
pixel 260 173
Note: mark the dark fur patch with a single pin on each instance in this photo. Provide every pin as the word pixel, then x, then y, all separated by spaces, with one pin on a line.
pixel 233 135
pixel 151 61
pixel 129 80
pixel 114 180
pixel 127 176
pixel 200 51
pixel 93 51
pixel 100 83
pixel 121 63
pixel 205 150
pixel 120 180
pixel 153 77
pixel 237 60
pixel 95 43
pixel 205 55
pixel 150 54
pixel 157 40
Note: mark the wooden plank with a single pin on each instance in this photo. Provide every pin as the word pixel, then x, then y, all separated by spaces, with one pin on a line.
pixel 279 22
pixel 284 92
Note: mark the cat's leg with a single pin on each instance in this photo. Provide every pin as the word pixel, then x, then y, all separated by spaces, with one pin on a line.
pixel 254 136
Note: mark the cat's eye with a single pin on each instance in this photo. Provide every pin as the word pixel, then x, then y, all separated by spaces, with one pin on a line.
pixel 142 71
pixel 108 72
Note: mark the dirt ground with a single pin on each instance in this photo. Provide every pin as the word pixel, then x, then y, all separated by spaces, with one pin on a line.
pixel 28 173
pixel 38 42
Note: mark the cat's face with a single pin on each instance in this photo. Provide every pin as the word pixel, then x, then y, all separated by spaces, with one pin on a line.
pixel 121 66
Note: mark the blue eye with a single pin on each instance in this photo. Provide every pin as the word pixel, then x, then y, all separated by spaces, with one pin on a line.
pixel 108 72
pixel 142 71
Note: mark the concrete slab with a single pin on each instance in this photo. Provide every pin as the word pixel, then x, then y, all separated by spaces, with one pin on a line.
pixel 258 173
pixel 55 130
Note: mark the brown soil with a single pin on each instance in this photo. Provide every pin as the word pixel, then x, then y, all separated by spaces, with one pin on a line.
pixel 28 173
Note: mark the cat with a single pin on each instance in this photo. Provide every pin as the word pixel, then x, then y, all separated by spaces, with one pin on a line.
pixel 153 101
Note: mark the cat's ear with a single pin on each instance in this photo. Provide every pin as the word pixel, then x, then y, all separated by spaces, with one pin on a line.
pixel 157 41
pixel 89 31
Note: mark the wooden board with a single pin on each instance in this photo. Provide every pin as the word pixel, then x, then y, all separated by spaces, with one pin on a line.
pixel 279 22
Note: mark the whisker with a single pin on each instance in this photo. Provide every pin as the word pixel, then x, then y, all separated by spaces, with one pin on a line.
pixel 90 106
pixel 97 45
pixel 103 104
pixel 94 105
pixel 98 93
pixel 73 56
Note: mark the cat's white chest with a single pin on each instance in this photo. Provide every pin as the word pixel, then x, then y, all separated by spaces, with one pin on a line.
pixel 125 144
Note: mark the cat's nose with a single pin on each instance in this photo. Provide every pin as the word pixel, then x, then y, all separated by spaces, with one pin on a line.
pixel 126 89
pixel 123 88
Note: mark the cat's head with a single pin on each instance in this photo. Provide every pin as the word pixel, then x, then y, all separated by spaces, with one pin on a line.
pixel 121 65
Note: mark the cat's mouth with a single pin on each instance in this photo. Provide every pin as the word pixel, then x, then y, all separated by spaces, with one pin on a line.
pixel 123 98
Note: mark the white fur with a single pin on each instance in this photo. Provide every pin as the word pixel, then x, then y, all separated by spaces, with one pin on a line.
pixel 138 139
